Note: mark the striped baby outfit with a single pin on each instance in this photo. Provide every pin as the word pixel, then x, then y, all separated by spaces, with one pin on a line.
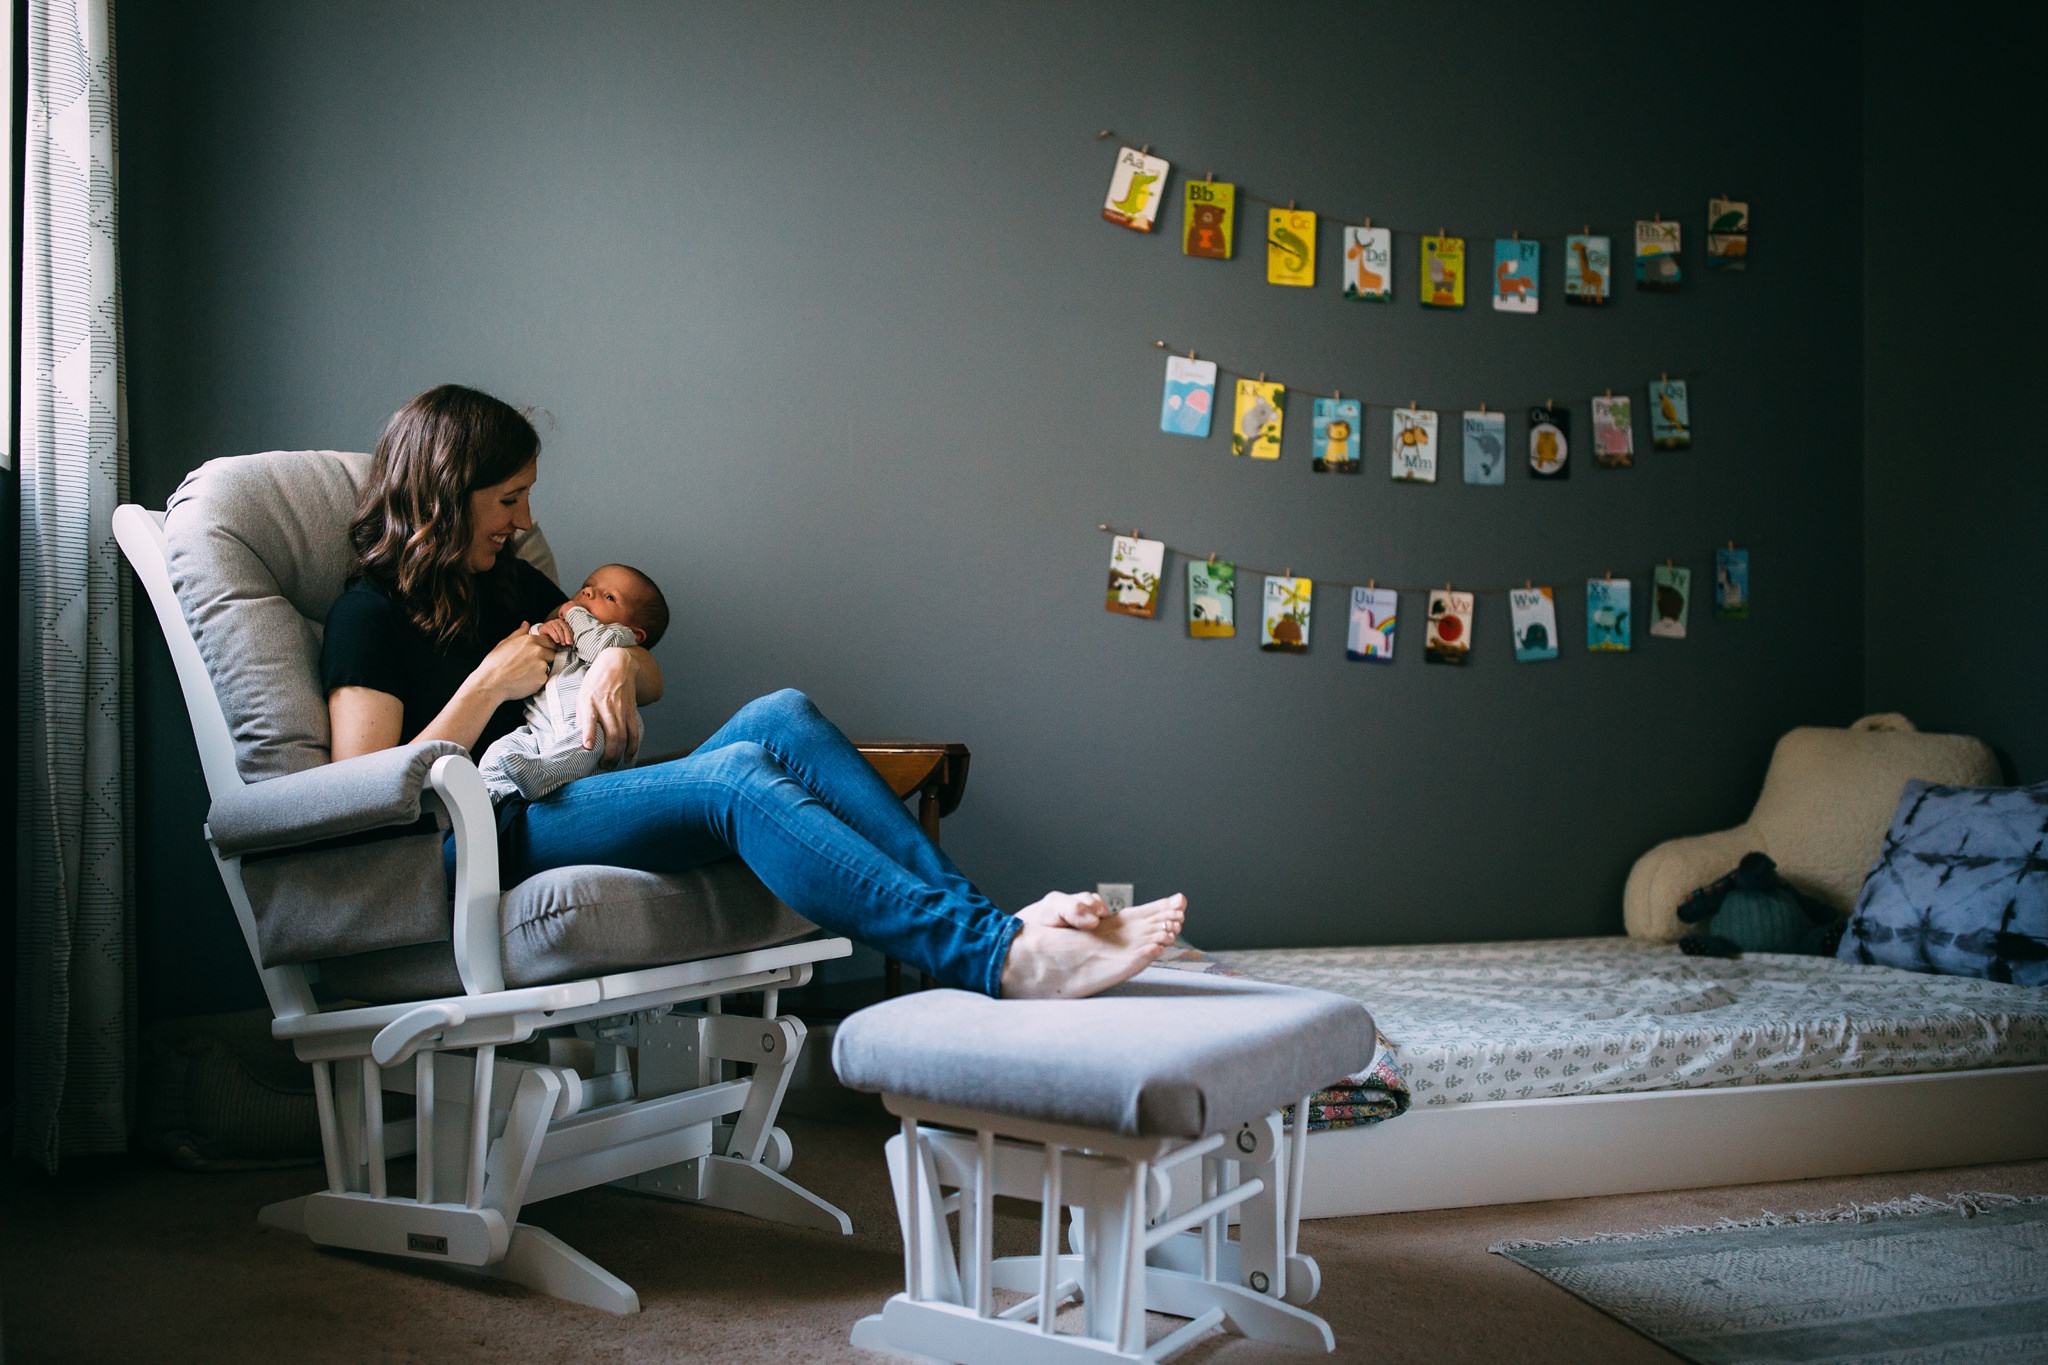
pixel 547 752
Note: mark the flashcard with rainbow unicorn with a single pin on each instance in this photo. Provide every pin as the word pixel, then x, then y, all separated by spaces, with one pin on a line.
pixel 1371 637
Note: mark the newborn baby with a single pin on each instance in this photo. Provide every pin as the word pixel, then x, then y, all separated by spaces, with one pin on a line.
pixel 616 606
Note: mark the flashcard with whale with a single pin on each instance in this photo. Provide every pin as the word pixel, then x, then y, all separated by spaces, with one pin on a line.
pixel 1190 398
pixel 1338 433
pixel 1671 600
pixel 1443 272
pixel 1517 271
pixel 1134 567
pixel 1533 614
pixel 1449 638
pixel 1212 599
pixel 1211 219
pixel 1486 447
pixel 1550 442
pixel 1255 425
pixel 1371 637
pixel 1588 269
pixel 1135 190
pixel 1291 247
pixel 1414 451
pixel 1670 415
pixel 1607 615
pixel 1369 264
pixel 1284 625
pixel 1614 432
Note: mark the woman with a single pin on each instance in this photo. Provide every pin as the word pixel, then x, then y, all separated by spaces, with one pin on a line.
pixel 430 641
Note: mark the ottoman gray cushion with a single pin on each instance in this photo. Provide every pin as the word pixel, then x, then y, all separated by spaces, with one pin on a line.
pixel 1166 1054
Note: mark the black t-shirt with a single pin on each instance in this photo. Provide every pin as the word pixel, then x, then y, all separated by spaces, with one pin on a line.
pixel 371 643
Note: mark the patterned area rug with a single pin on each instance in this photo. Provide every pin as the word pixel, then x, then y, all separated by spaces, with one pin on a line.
pixel 1906 1283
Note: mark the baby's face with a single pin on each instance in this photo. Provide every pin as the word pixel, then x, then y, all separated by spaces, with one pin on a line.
pixel 612 596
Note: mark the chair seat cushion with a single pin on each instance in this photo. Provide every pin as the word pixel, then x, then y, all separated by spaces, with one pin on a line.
pixel 1166 1054
pixel 575 922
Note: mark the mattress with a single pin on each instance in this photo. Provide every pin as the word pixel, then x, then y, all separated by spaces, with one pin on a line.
pixel 1496 1021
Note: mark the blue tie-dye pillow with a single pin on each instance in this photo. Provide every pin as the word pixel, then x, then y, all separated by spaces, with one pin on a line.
pixel 1961 887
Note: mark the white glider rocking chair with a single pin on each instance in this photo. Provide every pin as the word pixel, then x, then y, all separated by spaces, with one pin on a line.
pixel 563 1033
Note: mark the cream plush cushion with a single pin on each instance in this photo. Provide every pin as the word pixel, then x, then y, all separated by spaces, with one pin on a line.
pixel 1827 801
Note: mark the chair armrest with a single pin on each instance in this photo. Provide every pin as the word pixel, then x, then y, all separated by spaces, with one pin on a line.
pixel 328 802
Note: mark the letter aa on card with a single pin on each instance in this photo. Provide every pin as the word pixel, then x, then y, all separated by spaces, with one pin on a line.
pixel 1211 219
pixel 1190 396
pixel 1607 613
pixel 1212 599
pixel 1371 637
pixel 1255 426
pixel 1614 432
pixel 1550 442
pixel 1369 264
pixel 1486 447
pixel 1443 272
pixel 1449 639
pixel 1731 583
pixel 1588 269
pixel 1338 431
pixel 1657 256
pixel 1517 271
pixel 1135 190
pixel 1727 234
pixel 1134 567
pixel 1284 626
pixel 1291 247
pixel 1532 612
pixel 1671 589
pixel 1670 415
pixel 1414 445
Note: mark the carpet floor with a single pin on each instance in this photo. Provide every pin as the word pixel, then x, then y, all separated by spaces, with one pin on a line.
pixel 132 1261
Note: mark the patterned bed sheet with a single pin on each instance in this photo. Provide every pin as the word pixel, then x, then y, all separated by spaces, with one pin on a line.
pixel 1495 1021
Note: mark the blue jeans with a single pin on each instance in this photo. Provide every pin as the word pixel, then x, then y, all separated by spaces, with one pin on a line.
pixel 781 787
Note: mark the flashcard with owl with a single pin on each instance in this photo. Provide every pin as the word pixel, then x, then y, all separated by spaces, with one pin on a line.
pixel 1532 612
pixel 1134 567
pixel 1284 625
pixel 1731 584
pixel 1339 435
pixel 1414 445
pixel 1255 427
pixel 1614 432
pixel 1443 272
pixel 1371 637
pixel 1190 396
pixel 1369 264
pixel 1550 442
pixel 1449 638
pixel 1657 269
pixel 1291 247
pixel 1517 266
pixel 1727 234
pixel 1670 415
pixel 1212 599
pixel 1588 269
pixel 1607 615
pixel 1135 190
pixel 1211 219
pixel 1486 447
pixel 1671 591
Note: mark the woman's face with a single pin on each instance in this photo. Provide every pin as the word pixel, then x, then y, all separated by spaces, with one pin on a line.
pixel 495 513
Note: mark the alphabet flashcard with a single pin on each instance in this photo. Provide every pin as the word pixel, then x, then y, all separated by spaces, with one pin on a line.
pixel 1588 269
pixel 1211 219
pixel 1371 638
pixel 1532 612
pixel 1414 445
pixel 1443 272
pixel 1135 190
pixel 1727 234
pixel 1449 640
pixel 1212 599
pixel 1339 435
pixel 1284 626
pixel 1550 442
pixel 1291 247
pixel 1607 615
pixel 1190 396
pixel 1486 447
pixel 1671 591
pixel 1657 257
pixel 1670 415
pixel 1255 428
pixel 1614 432
pixel 1731 584
pixel 1369 264
pixel 1517 268
pixel 1134 567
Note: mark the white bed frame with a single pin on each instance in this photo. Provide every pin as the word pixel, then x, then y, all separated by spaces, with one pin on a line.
pixel 1516 1151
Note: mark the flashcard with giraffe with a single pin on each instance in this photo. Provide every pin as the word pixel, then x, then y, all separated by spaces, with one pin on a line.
pixel 1671 591
pixel 1414 449
pixel 1135 190
pixel 1284 625
pixel 1338 435
pixel 1588 269
pixel 1449 638
pixel 1371 638
pixel 1291 247
pixel 1190 397
pixel 1443 272
pixel 1614 432
pixel 1532 612
pixel 1134 567
pixel 1550 442
pixel 1211 219
pixel 1608 606
pixel 1657 267
pixel 1517 271
pixel 1212 599
pixel 1486 447
pixel 1255 426
pixel 1369 264
pixel 1670 415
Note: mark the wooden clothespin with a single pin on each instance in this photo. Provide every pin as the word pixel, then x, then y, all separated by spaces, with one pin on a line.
pixel 1145 150
pixel 1372 584
pixel 1610 393
pixel 1212 556
pixel 1608 576
pixel 1547 405
pixel 1482 409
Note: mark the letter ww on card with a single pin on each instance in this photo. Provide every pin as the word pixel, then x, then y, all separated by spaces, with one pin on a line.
pixel 1134 567
pixel 1212 599
pixel 1533 614
pixel 1135 190
pixel 1190 396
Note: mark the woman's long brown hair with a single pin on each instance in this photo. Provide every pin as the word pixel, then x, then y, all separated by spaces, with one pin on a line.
pixel 412 528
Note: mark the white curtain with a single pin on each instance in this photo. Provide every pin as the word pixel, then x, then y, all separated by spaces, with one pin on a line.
pixel 74 1070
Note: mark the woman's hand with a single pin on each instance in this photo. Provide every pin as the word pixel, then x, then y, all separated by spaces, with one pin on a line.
pixel 516 667
pixel 610 700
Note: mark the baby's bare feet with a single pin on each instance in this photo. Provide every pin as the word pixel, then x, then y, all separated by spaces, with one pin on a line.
pixel 1059 962
pixel 1072 909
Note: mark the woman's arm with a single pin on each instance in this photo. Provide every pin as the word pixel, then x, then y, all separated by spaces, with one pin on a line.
pixel 364 720
pixel 619 683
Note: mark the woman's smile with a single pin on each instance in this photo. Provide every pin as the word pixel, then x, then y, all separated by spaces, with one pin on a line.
pixel 497 513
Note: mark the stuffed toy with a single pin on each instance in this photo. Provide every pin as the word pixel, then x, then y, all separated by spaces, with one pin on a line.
pixel 1752 909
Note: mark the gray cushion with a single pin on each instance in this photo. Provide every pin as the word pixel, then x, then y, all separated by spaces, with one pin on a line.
pixel 1166 1054
pixel 327 802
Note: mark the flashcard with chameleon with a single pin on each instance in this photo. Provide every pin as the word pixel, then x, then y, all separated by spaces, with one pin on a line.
pixel 1135 189
pixel 1211 219
pixel 1533 614
pixel 1670 415
pixel 1607 615
pixel 1614 432
pixel 1443 272
pixel 1449 638
pixel 1517 271
pixel 1657 256
pixel 1369 264
pixel 1550 442
pixel 1486 447
pixel 1284 624
pixel 1731 584
pixel 1414 449
pixel 1291 247
pixel 1255 426
pixel 1339 435
pixel 1671 591
pixel 1134 567
pixel 1727 234
pixel 1588 269
pixel 1371 637
pixel 1190 396
pixel 1212 599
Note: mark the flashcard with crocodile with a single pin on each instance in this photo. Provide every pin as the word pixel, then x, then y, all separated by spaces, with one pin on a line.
pixel 1449 638
pixel 1486 447
pixel 1339 435
pixel 1727 234
pixel 1414 447
pixel 1135 190
pixel 1550 442
pixel 1284 624
pixel 1614 432
pixel 1670 415
pixel 1532 612
pixel 1517 271
pixel 1731 584
pixel 1291 247
pixel 1588 269
pixel 1443 272
pixel 1371 637
pixel 1369 264
pixel 1657 267
pixel 1134 567
pixel 1212 599
pixel 1211 219
pixel 1190 398
pixel 1671 591
pixel 1255 426
pixel 1607 615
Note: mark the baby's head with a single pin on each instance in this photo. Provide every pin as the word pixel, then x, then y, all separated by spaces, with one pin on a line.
pixel 619 594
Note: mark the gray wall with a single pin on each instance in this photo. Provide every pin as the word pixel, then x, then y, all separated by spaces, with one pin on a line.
pixel 834 343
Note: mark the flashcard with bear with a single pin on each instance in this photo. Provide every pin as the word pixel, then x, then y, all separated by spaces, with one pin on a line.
pixel 1255 426
pixel 1532 612
pixel 1211 219
pixel 1212 599
pixel 1671 589
pixel 1449 638
pixel 1607 615
pixel 1291 247
pixel 1550 442
pixel 1190 399
pixel 1284 624
pixel 1588 269
pixel 1339 435
pixel 1135 190
pixel 1614 432
pixel 1134 567
pixel 1368 264
pixel 1517 274
pixel 1414 452
pixel 1371 637
pixel 1443 272
pixel 1486 447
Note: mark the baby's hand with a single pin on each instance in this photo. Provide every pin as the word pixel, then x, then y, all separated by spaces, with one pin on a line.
pixel 557 632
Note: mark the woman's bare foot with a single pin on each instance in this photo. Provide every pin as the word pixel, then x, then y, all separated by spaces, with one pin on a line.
pixel 1059 962
pixel 1071 909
